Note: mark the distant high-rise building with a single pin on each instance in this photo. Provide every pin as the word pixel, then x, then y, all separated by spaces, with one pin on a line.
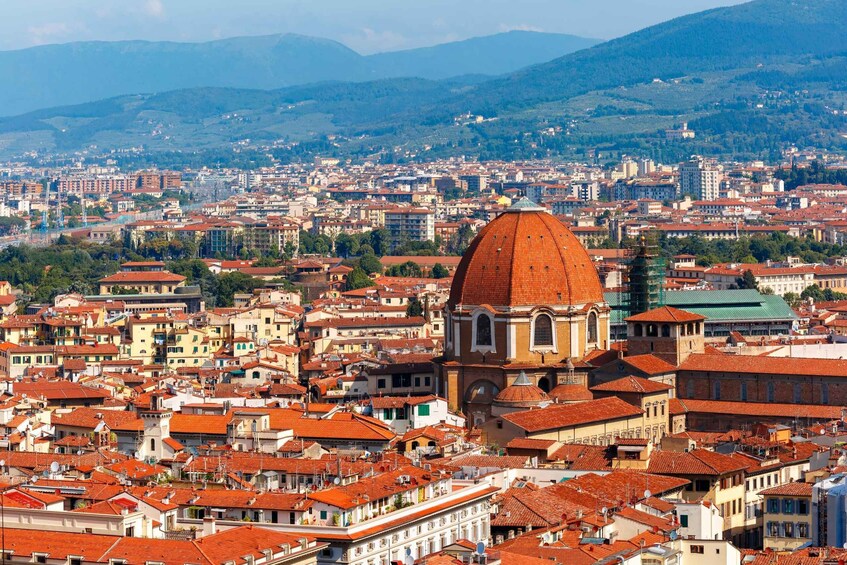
pixel 700 178
pixel 646 167
pixel 410 224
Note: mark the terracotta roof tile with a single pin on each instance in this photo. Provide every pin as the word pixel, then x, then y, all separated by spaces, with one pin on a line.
pixel 525 258
pixel 553 417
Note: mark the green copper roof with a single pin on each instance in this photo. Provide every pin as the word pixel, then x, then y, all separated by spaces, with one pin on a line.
pixel 717 305
pixel 525 204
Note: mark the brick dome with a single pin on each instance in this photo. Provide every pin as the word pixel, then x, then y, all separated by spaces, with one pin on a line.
pixel 525 257
pixel 521 393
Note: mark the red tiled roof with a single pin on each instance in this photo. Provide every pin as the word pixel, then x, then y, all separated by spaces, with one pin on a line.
pixel 649 364
pixel 525 258
pixel 571 393
pixel 794 366
pixel 666 314
pixel 789 489
pixel 129 277
pixel 697 462
pixel 637 385
pixel 553 417
pixel 761 409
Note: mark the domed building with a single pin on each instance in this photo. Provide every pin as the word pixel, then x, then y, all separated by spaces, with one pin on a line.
pixel 520 395
pixel 525 297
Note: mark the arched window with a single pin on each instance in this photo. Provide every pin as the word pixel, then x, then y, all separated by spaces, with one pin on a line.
pixel 152 444
pixel 639 330
pixel 666 330
pixel 543 331
pixel 592 327
pixel 652 330
pixel 690 328
pixel 483 330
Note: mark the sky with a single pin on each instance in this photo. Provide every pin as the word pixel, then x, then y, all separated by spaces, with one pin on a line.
pixel 368 26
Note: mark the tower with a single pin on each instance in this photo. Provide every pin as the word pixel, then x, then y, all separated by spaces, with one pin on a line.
pixel 646 278
pixel 668 333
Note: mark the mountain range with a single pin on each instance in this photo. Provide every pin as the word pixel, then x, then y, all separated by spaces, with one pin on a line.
pixel 751 79
pixel 73 73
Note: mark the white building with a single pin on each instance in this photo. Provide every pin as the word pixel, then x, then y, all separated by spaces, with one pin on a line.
pixel 700 178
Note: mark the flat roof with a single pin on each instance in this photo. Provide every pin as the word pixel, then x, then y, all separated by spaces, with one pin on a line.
pixel 717 305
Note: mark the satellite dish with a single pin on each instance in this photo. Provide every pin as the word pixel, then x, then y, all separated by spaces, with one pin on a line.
pixel 34 479
pixel 54 467
pixel 647 493
pixel 480 547
pixel 2 463
pixel 408 560
pixel 673 535
pixel 604 510
pixel 336 481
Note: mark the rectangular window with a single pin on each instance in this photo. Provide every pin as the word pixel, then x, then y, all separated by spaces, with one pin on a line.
pixel 798 394
pixel 423 410
pixel 323 514
pixel 388 414
pixel 802 530
pixel 683 520
pixel 743 392
pixel 788 506
pixel 697 549
pixel 824 394
pixel 802 506
pixel 788 529
pixel 380 383
pixel 773 506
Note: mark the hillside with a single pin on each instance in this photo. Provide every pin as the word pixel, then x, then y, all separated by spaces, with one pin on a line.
pixel 56 75
pixel 751 79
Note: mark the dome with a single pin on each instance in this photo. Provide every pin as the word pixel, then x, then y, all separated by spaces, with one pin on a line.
pixel 521 393
pixel 571 393
pixel 525 257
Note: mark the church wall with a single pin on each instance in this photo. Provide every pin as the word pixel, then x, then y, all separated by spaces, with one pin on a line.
pixel 785 389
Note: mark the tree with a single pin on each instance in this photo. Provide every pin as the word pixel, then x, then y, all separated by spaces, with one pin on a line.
pixel 346 245
pixel 370 264
pixel 814 292
pixel 747 280
pixel 439 271
pixel 358 278
pixel 230 284
pixel 407 269
pixel 792 299
pixel 414 308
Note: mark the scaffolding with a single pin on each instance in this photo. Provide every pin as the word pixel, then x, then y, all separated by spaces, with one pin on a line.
pixel 645 277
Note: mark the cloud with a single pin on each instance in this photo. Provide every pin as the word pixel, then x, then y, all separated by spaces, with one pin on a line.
pixel 50 32
pixel 368 40
pixel 519 27
pixel 154 8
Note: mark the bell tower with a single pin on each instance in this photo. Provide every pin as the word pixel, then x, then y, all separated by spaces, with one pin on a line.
pixel 668 333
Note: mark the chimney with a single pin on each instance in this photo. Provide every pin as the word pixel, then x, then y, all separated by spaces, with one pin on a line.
pixel 209 527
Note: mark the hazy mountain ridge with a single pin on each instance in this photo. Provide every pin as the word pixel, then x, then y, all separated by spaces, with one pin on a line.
pixel 717 69
pixel 57 75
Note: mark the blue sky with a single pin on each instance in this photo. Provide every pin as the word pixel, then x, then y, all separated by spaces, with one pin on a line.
pixel 365 25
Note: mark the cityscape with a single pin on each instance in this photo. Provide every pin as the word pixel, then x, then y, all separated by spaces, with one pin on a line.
pixel 492 295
